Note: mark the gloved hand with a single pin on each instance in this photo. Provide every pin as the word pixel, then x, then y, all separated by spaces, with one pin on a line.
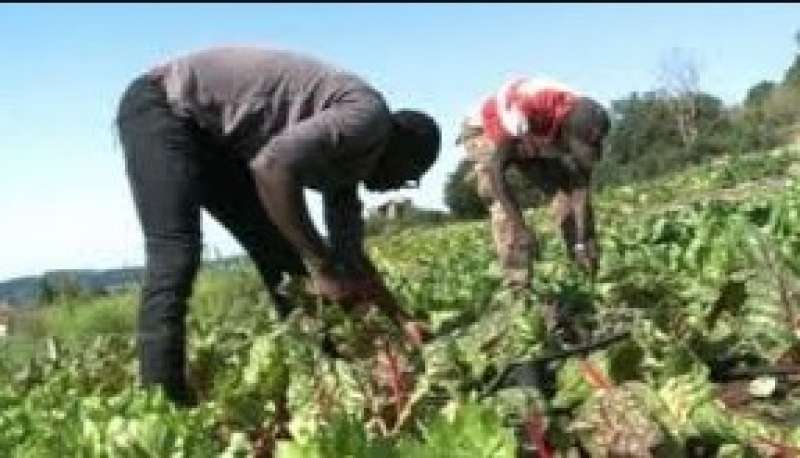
pixel 517 279
pixel 586 256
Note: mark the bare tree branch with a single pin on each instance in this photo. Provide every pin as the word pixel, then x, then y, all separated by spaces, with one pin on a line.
pixel 679 78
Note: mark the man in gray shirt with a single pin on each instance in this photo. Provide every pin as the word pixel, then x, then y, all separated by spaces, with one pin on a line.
pixel 240 132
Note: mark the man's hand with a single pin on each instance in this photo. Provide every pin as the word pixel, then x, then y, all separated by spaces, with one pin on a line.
pixel 367 291
pixel 517 279
pixel 348 291
pixel 415 331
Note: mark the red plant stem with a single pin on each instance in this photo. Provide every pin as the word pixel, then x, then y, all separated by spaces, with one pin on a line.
pixel 784 450
pixel 396 381
pixel 594 376
pixel 537 436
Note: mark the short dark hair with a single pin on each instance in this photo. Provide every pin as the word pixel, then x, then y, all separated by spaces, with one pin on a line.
pixel 418 135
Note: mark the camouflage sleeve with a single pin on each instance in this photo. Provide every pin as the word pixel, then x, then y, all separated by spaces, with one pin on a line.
pixel 579 164
pixel 513 242
pixel 585 249
pixel 574 215
pixel 555 180
pixel 342 214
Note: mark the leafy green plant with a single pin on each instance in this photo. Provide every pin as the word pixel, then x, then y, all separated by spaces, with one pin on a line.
pixel 701 267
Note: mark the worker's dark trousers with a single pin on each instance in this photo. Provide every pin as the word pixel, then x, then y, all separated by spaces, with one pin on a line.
pixel 174 171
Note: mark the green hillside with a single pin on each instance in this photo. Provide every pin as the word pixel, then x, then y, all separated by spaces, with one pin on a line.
pixel 701 268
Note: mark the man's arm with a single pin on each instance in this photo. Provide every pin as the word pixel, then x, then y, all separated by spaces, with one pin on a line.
pixel 574 205
pixel 342 213
pixel 581 203
pixel 500 188
pixel 298 157
pixel 277 170
pixel 346 234
pixel 574 216
pixel 513 242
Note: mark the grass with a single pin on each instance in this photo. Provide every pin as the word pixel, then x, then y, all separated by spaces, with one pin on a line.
pixel 230 292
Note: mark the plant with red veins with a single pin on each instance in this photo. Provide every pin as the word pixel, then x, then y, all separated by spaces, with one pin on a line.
pixel 537 436
pixel 393 372
pixel 594 376
pixel 777 449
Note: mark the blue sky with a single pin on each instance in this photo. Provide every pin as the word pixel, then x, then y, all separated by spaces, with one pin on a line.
pixel 64 197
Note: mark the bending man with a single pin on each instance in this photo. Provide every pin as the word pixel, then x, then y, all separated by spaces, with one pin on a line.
pixel 240 132
pixel 554 135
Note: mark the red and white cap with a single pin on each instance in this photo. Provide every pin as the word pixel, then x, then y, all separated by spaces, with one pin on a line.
pixel 510 112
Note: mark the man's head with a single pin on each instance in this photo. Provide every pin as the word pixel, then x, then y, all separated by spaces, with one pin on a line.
pixel 584 130
pixel 411 150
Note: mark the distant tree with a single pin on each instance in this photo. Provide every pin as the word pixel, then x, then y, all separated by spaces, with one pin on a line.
pixel 771 111
pixel 47 293
pixel 680 77
pixel 758 94
pixel 646 140
pixel 59 287
pixel 461 193
pixel 660 131
pixel 640 122
pixel 792 75
pixel 782 108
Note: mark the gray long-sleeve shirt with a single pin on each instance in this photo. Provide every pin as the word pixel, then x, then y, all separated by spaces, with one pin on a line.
pixel 245 96
pixel 249 98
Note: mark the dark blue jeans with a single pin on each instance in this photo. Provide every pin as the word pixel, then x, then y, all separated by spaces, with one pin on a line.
pixel 175 170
